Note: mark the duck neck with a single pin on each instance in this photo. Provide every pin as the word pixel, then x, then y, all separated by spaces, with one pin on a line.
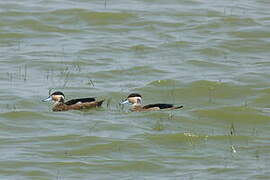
pixel 138 103
pixel 137 107
pixel 59 102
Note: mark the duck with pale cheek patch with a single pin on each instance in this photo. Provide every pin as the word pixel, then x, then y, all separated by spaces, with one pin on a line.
pixel 75 104
pixel 136 101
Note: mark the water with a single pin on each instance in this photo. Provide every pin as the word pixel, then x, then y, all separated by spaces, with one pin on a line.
pixel 210 56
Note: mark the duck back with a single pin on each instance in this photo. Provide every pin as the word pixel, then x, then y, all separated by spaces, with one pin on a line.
pixel 160 106
pixel 82 100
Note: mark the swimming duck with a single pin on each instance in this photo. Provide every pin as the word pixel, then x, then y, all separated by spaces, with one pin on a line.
pixel 136 101
pixel 74 104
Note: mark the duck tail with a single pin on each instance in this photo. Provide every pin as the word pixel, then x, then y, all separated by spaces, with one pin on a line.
pixel 177 107
pixel 99 103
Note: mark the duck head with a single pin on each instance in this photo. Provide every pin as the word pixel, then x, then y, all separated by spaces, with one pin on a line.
pixel 134 99
pixel 57 97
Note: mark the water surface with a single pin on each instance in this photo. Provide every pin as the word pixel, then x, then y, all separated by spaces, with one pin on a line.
pixel 212 57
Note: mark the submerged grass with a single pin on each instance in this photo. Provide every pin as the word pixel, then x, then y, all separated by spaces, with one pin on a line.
pixel 21 74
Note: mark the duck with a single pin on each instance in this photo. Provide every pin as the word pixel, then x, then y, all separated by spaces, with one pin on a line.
pixel 75 104
pixel 136 100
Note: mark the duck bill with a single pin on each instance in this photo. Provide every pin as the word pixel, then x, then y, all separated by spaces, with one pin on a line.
pixel 47 99
pixel 124 102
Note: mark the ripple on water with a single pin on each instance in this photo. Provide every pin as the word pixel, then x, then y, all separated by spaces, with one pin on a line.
pixel 93 17
pixel 173 141
pixel 212 57
pixel 203 92
pixel 23 115
pixel 246 45
pixel 239 21
pixel 127 72
pixel 245 118
pixel 216 64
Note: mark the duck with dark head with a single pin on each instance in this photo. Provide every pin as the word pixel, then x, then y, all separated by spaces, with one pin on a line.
pixel 75 104
pixel 136 101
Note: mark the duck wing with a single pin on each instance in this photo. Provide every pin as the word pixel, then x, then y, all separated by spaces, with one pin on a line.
pixel 82 100
pixel 160 106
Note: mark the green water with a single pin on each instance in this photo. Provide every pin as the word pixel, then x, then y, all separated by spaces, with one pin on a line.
pixel 210 56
